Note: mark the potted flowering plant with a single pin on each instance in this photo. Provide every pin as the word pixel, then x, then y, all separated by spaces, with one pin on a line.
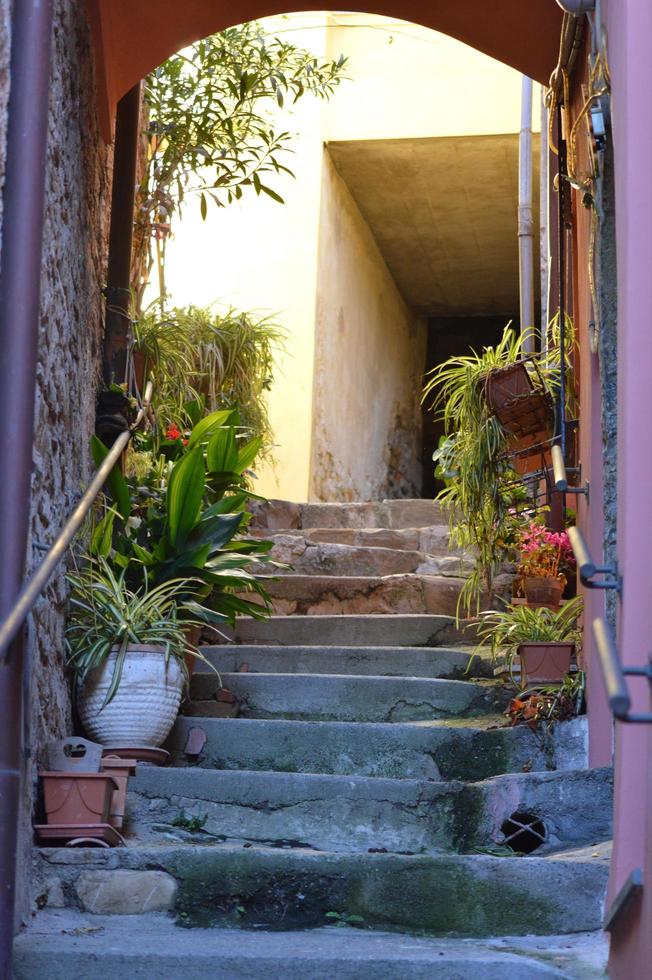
pixel 543 555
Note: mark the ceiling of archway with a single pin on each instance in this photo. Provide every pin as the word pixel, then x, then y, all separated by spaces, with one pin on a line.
pixel 444 215
pixel 131 37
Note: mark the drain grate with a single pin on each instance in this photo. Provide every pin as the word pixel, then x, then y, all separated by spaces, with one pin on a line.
pixel 524 832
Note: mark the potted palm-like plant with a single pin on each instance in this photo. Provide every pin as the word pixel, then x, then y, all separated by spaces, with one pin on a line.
pixel 543 639
pixel 127 650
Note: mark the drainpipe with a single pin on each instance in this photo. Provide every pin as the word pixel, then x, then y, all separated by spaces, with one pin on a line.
pixel 117 335
pixel 544 230
pixel 525 220
pixel 20 278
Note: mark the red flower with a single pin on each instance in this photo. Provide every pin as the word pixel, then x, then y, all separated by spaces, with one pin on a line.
pixel 172 432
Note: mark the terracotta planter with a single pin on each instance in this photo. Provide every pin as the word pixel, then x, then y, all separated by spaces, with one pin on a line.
pixel 502 385
pixel 543 591
pixel 193 636
pixel 544 663
pixel 120 770
pixel 146 704
pixel 73 799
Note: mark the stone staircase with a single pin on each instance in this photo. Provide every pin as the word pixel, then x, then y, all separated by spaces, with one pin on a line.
pixel 354 821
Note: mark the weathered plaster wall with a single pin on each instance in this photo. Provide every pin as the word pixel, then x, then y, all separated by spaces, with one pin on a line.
pixel 369 363
pixel 73 267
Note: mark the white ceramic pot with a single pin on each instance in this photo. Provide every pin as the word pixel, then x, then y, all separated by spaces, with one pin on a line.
pixel 145 705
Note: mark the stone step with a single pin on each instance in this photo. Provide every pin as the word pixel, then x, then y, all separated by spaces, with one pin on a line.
pixel 392 514
pixel 399 750
pixel 427 540
pixel 358 813
pixel 333 697
pixel 440 895
pixel 62 944
pixel 444 662
pixel 410 630
pixel 325 595
pixel 312 558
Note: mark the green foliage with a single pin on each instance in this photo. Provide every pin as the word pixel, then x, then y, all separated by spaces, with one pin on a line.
pixel 195 354
pixel 210 132
pixel 471 456
pixel 106 613
pixel 506 629
pixel 186 521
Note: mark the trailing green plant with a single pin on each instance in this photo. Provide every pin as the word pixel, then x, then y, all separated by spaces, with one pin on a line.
pixel 473 458
pixel 106 613
pixel 224 359
pixel 209 130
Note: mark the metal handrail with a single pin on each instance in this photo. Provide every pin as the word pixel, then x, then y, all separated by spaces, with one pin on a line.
pixel 614 673
pixel 588 569
pixel 40 578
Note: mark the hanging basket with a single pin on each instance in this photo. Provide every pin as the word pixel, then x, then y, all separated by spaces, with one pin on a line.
pixel 503 385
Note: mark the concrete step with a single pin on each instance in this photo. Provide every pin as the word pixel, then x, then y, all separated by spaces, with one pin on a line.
pixel 325 595
pixel 439 895
pixel 444 662
pixel 399 750
pixel 358 813
pixel 333 697
pixel 392 514
pixel 65 943
pixel 327 558
pixel 409 630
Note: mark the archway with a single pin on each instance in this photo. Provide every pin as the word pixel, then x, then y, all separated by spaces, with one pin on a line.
pixel 133 36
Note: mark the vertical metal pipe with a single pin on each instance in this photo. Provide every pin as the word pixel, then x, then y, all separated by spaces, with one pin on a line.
pixel 561 193
pixel 544 229
pixel 117 334
pixel 525 220
pixel 20 278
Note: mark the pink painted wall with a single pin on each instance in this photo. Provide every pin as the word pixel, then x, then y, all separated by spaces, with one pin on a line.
pixel 629 32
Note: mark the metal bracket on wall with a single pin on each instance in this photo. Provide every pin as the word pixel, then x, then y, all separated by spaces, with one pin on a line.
pixel 630 891
pixel 614 675
pixel 560 475
pixel 587 567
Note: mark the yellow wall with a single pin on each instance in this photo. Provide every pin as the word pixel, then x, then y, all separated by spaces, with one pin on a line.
pixel 257 255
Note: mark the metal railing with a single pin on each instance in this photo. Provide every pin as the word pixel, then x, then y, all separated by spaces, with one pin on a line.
pixel 36 584
pixel 614 673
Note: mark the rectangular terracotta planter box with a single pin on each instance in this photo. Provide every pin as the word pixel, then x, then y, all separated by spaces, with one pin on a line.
pixel 544 663
pixel 77 798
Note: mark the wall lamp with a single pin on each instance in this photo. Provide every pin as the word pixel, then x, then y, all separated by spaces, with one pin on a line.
pixel 614 675
pixel 587 567
pixel 560 476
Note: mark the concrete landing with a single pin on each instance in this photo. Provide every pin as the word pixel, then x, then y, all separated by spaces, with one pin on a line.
pixel 147 947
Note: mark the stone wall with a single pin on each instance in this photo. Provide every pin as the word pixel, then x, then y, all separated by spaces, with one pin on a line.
pixel 73 270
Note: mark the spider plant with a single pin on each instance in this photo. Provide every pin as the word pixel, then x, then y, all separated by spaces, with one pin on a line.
pixel 226 358
pixel 105 613
pixel 507 629
pixel 476 494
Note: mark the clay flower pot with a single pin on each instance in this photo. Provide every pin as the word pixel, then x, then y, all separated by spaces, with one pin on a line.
pixel 77 798
pixel 145 705
pixel 540 591
pixel 544 663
